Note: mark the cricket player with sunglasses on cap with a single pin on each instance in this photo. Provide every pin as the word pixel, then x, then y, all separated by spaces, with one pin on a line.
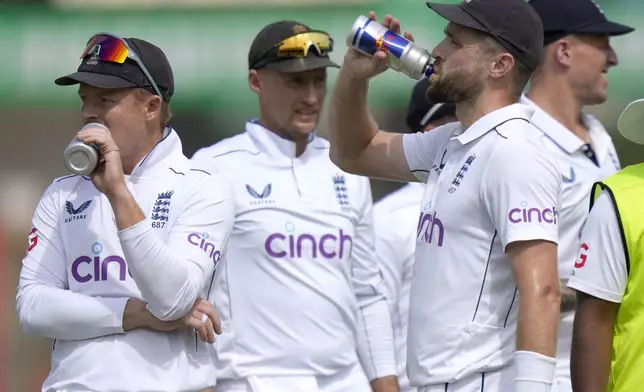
pixel 300 293
pixel 120 263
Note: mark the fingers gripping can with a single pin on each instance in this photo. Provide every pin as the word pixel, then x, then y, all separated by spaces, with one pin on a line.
pixel 81 158
pixel 405 56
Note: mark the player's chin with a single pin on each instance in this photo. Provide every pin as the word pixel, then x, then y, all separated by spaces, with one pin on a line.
pixel 305 126
pixel 598 97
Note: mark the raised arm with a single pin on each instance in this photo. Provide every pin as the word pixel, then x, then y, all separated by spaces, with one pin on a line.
pixel 357 144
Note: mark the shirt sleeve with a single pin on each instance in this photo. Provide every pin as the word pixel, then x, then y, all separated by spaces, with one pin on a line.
pixel 520 191
pixel 375 338
pixel 45 305
pixel 421 149
pixel 600 268
pixel 172 275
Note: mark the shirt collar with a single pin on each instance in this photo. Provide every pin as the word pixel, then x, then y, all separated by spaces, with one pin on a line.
pixel 553 129
pixel 157 160
pixel 271 143
pixel 491 120
pixel 564 138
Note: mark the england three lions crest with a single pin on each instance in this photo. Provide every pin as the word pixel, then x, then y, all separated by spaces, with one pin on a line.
pixel 161 209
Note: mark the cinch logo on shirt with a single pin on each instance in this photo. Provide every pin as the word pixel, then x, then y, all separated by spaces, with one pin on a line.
pixel 200 241
pixel 428 226
pixel 529 215
pixel 298 246
pixel 86 268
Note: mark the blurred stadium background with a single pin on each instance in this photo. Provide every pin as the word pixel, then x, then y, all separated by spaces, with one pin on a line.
pixel 207 43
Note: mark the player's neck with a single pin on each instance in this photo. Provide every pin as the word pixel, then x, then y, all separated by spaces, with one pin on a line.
pixel 556 99
pixel 301 140
pixel 138 152
pixel 469 112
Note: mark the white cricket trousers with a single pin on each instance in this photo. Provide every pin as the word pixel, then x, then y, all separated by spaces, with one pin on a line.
pixel 350 380
pixel 501 380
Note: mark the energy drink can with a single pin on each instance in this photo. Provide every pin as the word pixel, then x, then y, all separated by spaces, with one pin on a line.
pixel 405 56
pixel 81 158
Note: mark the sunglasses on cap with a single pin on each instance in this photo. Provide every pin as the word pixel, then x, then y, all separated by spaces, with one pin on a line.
pixel 298 45
pixel 112 48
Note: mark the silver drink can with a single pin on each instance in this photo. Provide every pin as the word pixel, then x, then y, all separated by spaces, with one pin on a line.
pixel 405 56
pixel 81 158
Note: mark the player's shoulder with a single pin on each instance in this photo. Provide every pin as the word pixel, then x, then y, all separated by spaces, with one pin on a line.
pixel 443 132
pixel 519 135
pixel 231 149
pixel 68 184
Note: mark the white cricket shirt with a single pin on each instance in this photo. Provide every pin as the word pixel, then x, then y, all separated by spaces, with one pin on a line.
pixel 580 167
pixel 302 249
pixel 396 217
pixel 78 274
pixel 600 269
pixel 489 186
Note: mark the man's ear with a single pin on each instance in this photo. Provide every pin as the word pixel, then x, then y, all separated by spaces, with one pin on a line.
pixel 153 106
pixel 502 65
pixel 254 81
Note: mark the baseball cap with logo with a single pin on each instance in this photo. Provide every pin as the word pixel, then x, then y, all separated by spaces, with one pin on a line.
pixel 290 46
pixel 422 111
pixel 513 23
pixel 566 17
pixel 113 62
pixel 631 122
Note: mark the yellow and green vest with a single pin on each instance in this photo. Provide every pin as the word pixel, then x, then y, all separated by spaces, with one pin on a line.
pixel 626 189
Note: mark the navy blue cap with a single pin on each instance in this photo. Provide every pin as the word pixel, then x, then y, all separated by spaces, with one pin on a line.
pixel 422 111
pixel 566 17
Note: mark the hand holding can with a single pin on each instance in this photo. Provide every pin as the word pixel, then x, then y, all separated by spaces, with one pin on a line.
pixel 403 55
pixel 81 158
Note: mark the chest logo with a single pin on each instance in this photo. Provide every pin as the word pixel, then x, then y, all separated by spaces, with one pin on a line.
pixel 456 182
pixel 341 191
pixel 161 209
pixel 76 213
pixel 571 178
pixel 260 198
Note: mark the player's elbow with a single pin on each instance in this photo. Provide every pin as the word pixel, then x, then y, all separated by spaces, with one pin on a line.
pixel 31 320
pixel 176 305
pixel 546 295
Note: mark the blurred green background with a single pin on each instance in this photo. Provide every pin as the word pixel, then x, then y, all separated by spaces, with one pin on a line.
pixel 207 43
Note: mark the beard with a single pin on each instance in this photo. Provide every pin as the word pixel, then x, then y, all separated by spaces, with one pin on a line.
pixel 457 86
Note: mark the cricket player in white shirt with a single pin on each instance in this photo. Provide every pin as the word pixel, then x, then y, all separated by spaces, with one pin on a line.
pixel 300 290
pixel 484 302
pixel 395 218
pixel 120 263
pixel 572 74
pixel 607 349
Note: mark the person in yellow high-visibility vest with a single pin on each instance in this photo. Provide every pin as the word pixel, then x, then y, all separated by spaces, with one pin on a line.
pixel 608 333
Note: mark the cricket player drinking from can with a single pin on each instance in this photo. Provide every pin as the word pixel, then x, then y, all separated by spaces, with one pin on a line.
pixel 118 261
pixel 484 302
pixel 395 218
pixel 572 74
pixel 300 290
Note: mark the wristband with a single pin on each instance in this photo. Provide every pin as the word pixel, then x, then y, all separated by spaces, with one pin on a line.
pixel 534 372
